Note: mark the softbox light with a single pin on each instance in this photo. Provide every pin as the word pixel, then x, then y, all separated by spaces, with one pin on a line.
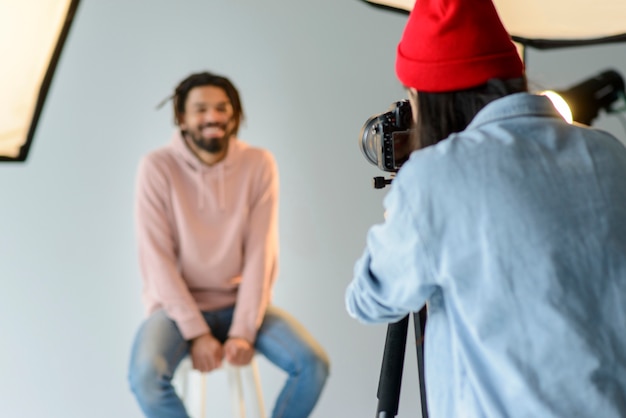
pixel 32 35
pixel 546 24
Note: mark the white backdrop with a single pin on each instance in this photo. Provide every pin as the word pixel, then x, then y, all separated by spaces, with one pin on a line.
pixel 310 74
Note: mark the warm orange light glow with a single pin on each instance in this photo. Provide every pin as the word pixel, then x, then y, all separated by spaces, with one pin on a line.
pixel 560 104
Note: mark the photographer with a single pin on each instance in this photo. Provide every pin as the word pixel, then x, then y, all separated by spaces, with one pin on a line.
pixel 509 224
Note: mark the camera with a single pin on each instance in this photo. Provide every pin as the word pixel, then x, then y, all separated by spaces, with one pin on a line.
pixel 385 139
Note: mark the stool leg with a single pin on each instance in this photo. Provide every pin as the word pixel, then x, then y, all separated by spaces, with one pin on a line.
pixel 190 385
pixel 196 398
pixel 252 381
pixel 203 398
pixel 236 391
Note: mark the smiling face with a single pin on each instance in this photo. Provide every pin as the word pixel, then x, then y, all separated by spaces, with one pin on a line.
pixel 208 122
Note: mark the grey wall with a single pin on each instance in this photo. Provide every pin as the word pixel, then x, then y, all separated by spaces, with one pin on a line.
pixel 310 74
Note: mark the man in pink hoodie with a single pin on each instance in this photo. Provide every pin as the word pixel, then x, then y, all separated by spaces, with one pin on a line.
pixel 206 216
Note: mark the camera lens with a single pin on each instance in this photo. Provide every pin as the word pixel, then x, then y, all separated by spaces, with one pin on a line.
pixel 370 140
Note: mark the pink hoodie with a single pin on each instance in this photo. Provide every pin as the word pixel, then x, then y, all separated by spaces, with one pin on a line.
pixel 208 236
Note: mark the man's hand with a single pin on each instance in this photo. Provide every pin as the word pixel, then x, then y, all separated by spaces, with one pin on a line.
pixel 238 351
pixel 206 353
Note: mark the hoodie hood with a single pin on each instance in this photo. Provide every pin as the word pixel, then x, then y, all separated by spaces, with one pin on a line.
pixel 206 175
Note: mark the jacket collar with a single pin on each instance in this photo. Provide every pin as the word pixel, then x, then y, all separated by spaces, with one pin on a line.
pixel 515 105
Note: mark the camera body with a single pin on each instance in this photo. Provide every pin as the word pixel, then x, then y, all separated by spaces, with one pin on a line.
pixel 386 140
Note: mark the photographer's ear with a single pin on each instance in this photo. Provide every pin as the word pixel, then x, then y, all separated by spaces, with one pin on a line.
pixel 412 93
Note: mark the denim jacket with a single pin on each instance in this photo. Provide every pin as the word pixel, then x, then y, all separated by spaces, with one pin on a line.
pixel 513 232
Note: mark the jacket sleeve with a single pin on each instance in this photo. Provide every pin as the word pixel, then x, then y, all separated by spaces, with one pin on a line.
pixel 393 276
pixel 158 249
pixel 260 253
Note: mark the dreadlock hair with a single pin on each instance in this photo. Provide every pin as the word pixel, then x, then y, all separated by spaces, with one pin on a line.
pixel 206 79
pixel 441 114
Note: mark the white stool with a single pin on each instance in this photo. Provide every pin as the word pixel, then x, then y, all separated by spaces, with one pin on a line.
pixel 190 384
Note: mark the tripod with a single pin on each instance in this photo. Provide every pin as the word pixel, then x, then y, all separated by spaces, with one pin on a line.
pixel 393 363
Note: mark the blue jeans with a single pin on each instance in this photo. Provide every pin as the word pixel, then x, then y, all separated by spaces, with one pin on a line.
pixel 159 347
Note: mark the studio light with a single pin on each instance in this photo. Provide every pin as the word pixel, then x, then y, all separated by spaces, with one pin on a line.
pixel 32 35
pixel 583 101
pixel 545 24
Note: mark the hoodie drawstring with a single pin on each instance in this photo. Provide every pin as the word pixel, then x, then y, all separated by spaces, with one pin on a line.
pixel 221 179
pixel 222 188
pixel 200 184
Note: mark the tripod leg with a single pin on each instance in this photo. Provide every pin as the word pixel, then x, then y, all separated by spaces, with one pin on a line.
pixel 419 322
pixel 391 369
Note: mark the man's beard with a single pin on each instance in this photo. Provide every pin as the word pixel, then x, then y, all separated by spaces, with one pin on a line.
pixel 213 145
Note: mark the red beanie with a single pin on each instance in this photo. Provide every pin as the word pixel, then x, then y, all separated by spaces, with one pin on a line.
pixel 452 45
